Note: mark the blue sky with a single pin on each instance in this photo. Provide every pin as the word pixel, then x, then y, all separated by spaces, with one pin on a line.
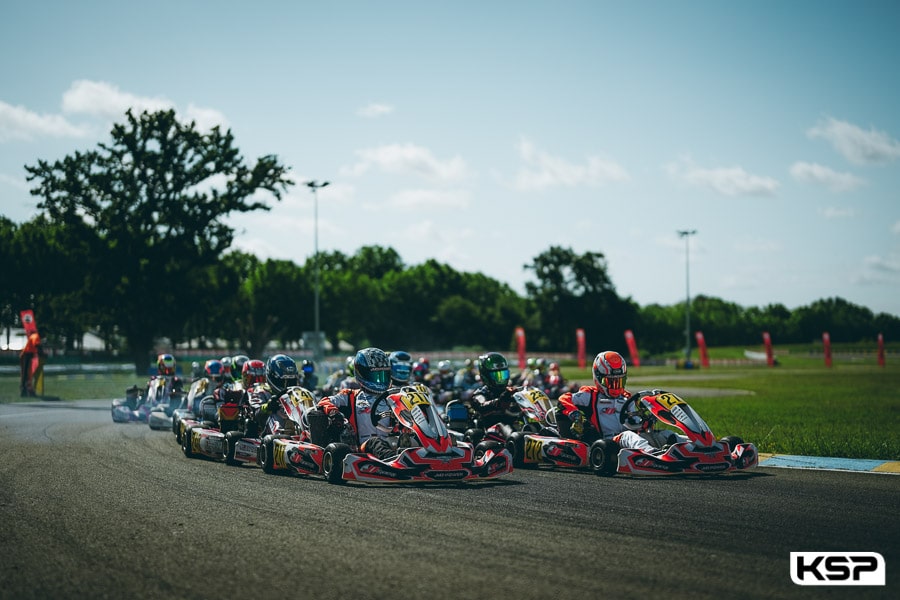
pixel 482 133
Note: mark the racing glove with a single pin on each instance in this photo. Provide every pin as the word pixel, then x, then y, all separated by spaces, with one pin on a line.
pixel 577 419
pixel 328 408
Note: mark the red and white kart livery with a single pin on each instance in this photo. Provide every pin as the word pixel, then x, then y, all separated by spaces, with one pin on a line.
pixel 426 452
pixel 700 454
pixel 242 446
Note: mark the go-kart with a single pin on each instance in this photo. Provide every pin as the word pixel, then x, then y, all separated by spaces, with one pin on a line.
pixel 700 454
pixel 164 402
pixel 130 408
pixel 425 451
pixel 188 414
pixel 529 413
pixel 221 415
pixel 243 445
pixel 161 395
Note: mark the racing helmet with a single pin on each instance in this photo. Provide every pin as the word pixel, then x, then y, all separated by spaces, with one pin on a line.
pixel 226 362
pixel 401 367
pixel 373 370
pixel 419 371
pixel 237 365
pixel 281 373
pixel 445 368
pixel 494 370
pixel 165 364
pixel 308 367
pixel 253 371
pixel 609 373
pixel 214 370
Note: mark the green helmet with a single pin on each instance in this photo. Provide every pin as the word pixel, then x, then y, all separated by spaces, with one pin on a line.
pixel 494 370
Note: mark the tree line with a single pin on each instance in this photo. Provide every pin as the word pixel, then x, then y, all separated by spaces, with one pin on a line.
pixel 131 242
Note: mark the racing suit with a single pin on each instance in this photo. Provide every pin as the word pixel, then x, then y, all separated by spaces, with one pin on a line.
pixel 355 406
pixel 491 407
pixel 601 418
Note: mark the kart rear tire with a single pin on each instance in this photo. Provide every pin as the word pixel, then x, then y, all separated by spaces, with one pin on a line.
pixel 266 455
pixel 231 440
pixel 474 436
pixel 602 457
pixel 186 443
pixel 333 462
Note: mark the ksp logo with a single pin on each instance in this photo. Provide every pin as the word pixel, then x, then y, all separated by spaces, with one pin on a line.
pixel 837 568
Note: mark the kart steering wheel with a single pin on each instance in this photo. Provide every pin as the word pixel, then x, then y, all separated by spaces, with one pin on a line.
pixel 376 416
pixel 629 410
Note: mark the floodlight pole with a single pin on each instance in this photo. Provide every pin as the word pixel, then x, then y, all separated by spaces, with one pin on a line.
pixel 686 234
pixel 314 188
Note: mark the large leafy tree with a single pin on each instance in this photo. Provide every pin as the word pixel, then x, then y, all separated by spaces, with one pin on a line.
pixel 155 198
pixel 575 291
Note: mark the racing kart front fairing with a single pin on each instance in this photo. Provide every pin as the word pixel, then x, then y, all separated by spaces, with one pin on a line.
pixel 426 452
pixel 702 453
pixel 433 455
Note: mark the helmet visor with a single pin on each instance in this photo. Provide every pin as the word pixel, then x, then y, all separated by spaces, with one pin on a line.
pixel 400 372
pixel 613 383
pixel 499 377
pixel 379 378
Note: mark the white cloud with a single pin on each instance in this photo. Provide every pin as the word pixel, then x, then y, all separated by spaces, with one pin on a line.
pixel 855 144
pixel 818 174
pixel 102 99
pixel 838 213
pixel 406 159
pixel 107 101
pixel 895 228
pixel 543 170
pixel 375 110
pixel 728 181
pixel 429 199
pixel 19 123
pixel 205 118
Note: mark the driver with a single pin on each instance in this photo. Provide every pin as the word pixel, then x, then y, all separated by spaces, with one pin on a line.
pixel 494 398
pixel 372 369
pixel 597 411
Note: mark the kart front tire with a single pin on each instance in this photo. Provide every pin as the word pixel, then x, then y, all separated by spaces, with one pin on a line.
pixel 732 441
pixel 266 454
pixel 603 457
pixel 516 446
pixel 231 440
pixel 474 436
pixel 186 443
pixel 333 462
pixel 482 448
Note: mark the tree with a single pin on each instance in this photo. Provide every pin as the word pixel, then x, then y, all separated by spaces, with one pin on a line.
pixel 574 291
pixel 155 198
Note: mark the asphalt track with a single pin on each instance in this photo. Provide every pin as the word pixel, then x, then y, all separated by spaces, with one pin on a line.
pixel 93 509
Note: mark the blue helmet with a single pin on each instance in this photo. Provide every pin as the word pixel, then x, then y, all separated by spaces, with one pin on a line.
pixel 401 367
pixel 373 370
pixel 281 373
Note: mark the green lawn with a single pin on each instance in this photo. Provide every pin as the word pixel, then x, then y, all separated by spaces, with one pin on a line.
pixel 850 410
